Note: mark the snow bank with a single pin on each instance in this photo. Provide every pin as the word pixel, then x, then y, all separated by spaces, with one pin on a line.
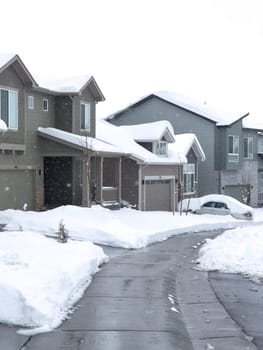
pixel 126 228
pixel 40 279
pixel 235 251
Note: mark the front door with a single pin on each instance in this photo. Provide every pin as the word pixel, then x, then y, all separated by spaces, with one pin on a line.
pixel 58 181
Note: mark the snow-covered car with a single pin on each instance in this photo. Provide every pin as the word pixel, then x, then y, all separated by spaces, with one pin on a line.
pixel 217 204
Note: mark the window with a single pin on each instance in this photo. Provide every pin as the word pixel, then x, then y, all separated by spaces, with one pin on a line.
pixel 30 102
pixel 9 107
pixel 233 148
pixel 161 148
pixel 260 144
pixel 248 147
pixel 189 178
pixel 85 116
pixel 45 105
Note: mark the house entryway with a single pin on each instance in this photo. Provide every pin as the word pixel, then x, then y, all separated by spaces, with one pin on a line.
pixel 58 179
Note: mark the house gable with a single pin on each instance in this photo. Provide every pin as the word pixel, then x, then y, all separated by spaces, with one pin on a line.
pixel 16 63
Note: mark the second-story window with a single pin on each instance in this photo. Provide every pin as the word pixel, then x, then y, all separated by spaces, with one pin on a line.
pixel 85 116
pixel 30 102
pixel 248 147
pixel 9 108
pixel 260 144
pixel 161 148
pixel 45 105
pixel 233 148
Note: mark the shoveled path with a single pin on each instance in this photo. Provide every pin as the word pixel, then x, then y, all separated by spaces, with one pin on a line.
pixel 150 298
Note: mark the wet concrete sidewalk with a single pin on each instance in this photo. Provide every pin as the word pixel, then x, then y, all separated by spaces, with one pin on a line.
pixel 150 298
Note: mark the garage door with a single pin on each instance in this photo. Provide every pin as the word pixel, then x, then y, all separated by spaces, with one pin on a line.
pixel 17 189
pixel 240 192
pixel 157 195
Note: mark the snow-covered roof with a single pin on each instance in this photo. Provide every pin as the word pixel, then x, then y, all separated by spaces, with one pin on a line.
pixel 5 58
pixel 79 141
pixel 221 118
pixel 123 139
pixel 10 58
pixel 249 123
pixel 184 142
pixel 151 131
pixel 61 85
pixel 64 85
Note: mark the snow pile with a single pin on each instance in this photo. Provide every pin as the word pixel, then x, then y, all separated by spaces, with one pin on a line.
pixel 3 127
pixel 126 228
pixel 235 251
pixel 40 279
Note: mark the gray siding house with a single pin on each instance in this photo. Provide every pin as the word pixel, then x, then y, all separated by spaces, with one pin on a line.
pixel 233 163
pixel 38 169
pixel 55 153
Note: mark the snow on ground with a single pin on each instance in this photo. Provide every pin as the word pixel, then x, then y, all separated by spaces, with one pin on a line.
pixel 126 228
pixel 235 251
pixel 40 278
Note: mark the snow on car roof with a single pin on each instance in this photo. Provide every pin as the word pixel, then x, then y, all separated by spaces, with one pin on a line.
pixel 232 203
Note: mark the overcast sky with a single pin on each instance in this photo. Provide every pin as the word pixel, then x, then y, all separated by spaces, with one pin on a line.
pixel 208 50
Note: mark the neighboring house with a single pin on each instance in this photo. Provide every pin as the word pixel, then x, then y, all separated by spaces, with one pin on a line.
pixel 253 156
pixel 54 153
pixel 160 166
pixel 233 163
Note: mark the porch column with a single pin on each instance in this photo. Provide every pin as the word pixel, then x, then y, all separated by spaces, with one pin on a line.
pixel 101 179
pixel 85 182
pixel 119 183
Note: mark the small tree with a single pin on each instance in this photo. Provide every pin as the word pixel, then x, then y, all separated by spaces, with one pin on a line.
pixel 62 233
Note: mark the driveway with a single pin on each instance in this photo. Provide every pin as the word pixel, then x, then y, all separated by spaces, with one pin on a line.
pixel 150 298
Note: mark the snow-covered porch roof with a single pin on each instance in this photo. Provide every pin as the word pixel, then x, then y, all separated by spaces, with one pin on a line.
pixel 80 143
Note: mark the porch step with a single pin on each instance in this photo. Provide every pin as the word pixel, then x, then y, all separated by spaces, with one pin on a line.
pixel 112 205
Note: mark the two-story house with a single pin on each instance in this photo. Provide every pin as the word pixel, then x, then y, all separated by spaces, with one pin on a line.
pixel 38 170
pixel 232 164
pixel 54 153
